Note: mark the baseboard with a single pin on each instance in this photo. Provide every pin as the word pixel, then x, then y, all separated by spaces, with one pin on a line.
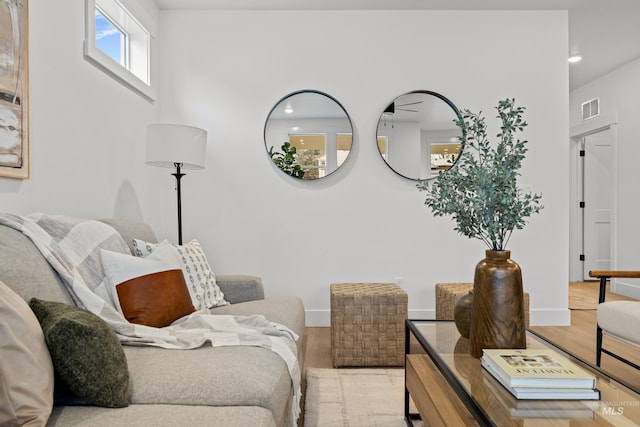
pixel 627 289
pixel 317 318
pixel 322 318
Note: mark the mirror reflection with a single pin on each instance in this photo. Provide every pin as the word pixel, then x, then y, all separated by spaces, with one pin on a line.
pixel 417 135
pixel 308 134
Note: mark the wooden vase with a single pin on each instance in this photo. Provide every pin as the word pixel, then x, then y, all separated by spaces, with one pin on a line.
pixel 497 314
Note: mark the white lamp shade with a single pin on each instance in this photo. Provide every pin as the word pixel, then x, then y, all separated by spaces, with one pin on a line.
pixel 168 144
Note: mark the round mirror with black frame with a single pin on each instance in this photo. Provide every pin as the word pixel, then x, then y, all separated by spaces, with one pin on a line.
pixel 417 135
pixel 308 134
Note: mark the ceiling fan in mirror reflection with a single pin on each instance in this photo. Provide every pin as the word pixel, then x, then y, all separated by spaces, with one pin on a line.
pixel 417 136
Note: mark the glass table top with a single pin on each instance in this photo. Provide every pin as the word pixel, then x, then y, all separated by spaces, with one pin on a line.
pixel 618 405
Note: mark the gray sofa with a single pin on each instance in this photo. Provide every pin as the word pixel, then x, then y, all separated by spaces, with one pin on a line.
pixel 222 386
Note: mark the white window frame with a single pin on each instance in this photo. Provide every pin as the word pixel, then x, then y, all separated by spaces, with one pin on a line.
pixel 137 74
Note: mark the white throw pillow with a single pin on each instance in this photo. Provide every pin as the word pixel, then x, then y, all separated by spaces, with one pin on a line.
pixel 201 281
pixel 26 370
pixel 149 291
pixel 120 267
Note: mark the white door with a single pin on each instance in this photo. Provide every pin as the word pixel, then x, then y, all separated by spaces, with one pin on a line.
pixel 598 201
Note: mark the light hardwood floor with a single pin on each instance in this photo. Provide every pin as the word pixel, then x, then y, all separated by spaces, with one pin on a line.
pixel 579 338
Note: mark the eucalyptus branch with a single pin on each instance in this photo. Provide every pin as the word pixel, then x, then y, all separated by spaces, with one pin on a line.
pixel 480 192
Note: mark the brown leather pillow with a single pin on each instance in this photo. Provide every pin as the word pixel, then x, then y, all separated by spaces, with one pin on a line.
pixel 148 291
pixel 156 299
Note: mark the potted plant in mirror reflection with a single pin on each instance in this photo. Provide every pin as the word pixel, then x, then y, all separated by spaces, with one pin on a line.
pixel 286 160
pixel 481 193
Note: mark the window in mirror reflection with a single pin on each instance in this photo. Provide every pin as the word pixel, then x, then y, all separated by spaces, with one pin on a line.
pixel 318 155
pixel 382 146
pixel 344 141
pixel 311 154
pixel 316 126
pixel 443 155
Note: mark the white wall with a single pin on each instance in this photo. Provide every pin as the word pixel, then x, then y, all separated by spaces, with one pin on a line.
pixel 224 70
pixel 619 92
pixel 404 148
pixel 87 130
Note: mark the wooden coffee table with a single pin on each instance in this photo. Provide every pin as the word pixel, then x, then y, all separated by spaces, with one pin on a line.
pixel 450 388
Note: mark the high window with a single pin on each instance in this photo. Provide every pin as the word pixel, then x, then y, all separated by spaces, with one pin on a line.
pixel 111 39
pixel 117 43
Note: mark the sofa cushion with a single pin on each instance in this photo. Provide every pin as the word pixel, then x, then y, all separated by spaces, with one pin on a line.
pixel 86 353
pixel 26 271
pixel 211 376
pixel 26 370
pixel 149 291
pixel 163 416
pixel 200 279
pixel 245 376
pixel 286 310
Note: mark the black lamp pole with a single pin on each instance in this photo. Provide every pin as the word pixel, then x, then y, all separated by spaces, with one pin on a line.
pixel 179 175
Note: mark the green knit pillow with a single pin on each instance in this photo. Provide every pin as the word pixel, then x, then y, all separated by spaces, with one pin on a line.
pixel 86 353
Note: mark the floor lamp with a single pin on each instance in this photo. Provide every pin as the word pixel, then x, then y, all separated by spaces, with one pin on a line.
pixel 176 146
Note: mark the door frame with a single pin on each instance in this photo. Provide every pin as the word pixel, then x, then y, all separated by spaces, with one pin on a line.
pixel 576 225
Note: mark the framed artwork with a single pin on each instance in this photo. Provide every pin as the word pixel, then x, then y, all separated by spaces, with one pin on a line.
pixel 14 89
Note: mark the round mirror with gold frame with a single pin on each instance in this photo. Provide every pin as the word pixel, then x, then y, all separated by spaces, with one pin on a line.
pixel 417 135
pixel 308 134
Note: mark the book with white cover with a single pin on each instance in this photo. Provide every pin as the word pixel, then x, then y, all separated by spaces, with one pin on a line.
pixel 539 408
pixel 544 393
pixel 537 368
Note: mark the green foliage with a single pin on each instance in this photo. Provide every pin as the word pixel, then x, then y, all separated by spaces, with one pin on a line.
pixel 480 191
pixel 286 160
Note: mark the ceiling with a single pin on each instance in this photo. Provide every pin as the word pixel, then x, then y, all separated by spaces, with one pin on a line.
pixel 308 105
pixel 606 33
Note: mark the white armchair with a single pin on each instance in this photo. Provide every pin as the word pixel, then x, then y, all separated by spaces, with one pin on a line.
pixel 617 319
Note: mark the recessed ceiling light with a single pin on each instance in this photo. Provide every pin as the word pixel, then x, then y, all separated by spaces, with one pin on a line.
pixel 288 110
pixel 574 59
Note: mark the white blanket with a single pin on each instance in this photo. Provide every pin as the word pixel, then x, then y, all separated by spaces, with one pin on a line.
pixel 72 247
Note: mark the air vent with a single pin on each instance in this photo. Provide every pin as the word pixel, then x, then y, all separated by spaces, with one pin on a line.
pixel 590 109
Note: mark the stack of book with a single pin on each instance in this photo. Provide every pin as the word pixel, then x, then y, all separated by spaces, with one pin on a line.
pixel 544 408
pixel 540 374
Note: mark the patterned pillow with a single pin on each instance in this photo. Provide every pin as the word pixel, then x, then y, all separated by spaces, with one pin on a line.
pixel 201 281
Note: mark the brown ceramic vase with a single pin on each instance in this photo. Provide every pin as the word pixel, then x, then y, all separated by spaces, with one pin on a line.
pixel 462 314
pixel 497 314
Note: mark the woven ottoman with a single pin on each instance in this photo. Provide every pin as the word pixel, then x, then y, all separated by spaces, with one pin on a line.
pixel 447 294
pixel 367 324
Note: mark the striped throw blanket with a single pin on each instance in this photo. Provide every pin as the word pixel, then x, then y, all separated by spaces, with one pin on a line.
pixel 72 247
